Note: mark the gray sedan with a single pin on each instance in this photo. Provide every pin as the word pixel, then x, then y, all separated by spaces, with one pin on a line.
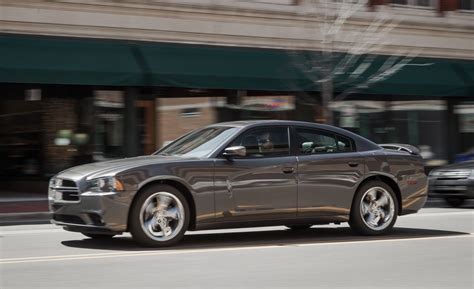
pixel 240 174
pixel 454 183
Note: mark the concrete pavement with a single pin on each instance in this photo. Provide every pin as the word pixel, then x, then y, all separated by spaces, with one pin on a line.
pixel 432 249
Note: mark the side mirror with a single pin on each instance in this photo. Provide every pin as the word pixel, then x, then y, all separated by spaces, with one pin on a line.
pixel 239 151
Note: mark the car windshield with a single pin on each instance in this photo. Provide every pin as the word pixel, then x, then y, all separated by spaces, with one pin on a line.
pixel 198 143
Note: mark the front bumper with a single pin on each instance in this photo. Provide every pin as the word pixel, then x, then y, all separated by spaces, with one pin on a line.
pixel 451 188
pixel 93 213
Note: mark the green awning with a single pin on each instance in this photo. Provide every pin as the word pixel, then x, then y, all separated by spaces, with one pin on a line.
pixel 200 66
pixel 61 60
pixel 55 60
pixel 427 77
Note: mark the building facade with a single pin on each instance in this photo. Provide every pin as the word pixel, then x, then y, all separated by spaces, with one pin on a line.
pixel 93 80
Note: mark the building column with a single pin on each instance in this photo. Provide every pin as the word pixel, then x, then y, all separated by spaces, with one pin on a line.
pixel 307 107
pixel 452 130
pixel 130 133
pixel 234 97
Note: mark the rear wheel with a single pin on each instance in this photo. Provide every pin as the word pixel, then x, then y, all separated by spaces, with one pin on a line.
pixel 159 216
pixel 455 202
pixel 374 210
pixel 298 227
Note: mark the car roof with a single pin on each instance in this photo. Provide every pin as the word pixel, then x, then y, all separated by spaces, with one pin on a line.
pixel 362 143
pixel 244 123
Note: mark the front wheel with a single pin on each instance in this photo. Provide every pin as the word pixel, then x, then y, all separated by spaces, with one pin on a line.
pixel 374 210
pixel 159 216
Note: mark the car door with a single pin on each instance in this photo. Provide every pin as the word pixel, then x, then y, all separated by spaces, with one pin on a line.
pixel 329 170
pixel 260 185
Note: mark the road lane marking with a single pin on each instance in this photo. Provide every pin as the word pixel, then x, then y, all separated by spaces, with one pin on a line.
pixel 187 251
pixel 438 214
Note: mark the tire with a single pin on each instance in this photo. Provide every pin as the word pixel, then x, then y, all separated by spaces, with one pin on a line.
pixel 159 216
pixel 99 236
pixel 376 219
pixel 455 202
pixel 298 227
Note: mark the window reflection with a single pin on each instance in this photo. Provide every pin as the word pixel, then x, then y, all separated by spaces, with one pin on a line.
pixel 199 143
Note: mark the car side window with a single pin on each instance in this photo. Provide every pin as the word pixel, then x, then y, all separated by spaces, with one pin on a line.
pixel 311 141
pixel 344 144
pixel 264 142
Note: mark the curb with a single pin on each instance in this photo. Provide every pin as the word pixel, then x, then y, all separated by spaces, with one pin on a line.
pixel 30 218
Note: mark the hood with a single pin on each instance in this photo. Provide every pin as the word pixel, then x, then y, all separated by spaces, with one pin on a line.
pixel 464 165
pixel 108 168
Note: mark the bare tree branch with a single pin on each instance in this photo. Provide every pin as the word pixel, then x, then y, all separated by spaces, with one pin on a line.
pixel 390 67
pixel 351 67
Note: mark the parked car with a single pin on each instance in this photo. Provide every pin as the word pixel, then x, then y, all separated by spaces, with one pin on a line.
pixel 240 174
pixel 454 183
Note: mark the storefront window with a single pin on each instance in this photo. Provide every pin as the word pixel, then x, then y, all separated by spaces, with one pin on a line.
pixel 108 135
pixel 465 115
pixel 20 138
pixel 418 123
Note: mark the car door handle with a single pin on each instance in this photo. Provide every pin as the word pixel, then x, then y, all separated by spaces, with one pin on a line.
pixel 353 164
pixel 288 170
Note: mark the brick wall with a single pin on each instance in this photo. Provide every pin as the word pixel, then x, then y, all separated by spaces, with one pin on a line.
pixel 177 116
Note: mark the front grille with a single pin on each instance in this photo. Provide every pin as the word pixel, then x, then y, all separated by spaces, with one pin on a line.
pixel 56 207
pixel 70 196
pixel 453 175
pixel 64 190
pixel 69 183
pixel 68 219
pixel 448 192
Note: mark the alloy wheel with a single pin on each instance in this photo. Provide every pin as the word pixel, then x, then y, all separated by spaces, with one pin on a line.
pixel 377 208
pixel 162 216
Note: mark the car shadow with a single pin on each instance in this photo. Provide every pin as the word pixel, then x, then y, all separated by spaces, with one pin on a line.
pixel 277 237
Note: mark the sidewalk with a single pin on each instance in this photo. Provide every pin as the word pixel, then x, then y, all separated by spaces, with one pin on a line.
pixel 23 208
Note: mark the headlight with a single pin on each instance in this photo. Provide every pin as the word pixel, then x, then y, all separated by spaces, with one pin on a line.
pixel 54 182
pixel 434 173
pixel 107 184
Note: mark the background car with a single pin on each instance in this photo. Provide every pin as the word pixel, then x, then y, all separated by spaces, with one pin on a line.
pixel 238 174
pixel 454 183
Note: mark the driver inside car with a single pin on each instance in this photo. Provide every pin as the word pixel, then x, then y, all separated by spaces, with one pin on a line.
pixel 265 143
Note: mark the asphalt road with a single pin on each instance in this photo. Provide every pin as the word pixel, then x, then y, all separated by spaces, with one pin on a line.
pixel 432 249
